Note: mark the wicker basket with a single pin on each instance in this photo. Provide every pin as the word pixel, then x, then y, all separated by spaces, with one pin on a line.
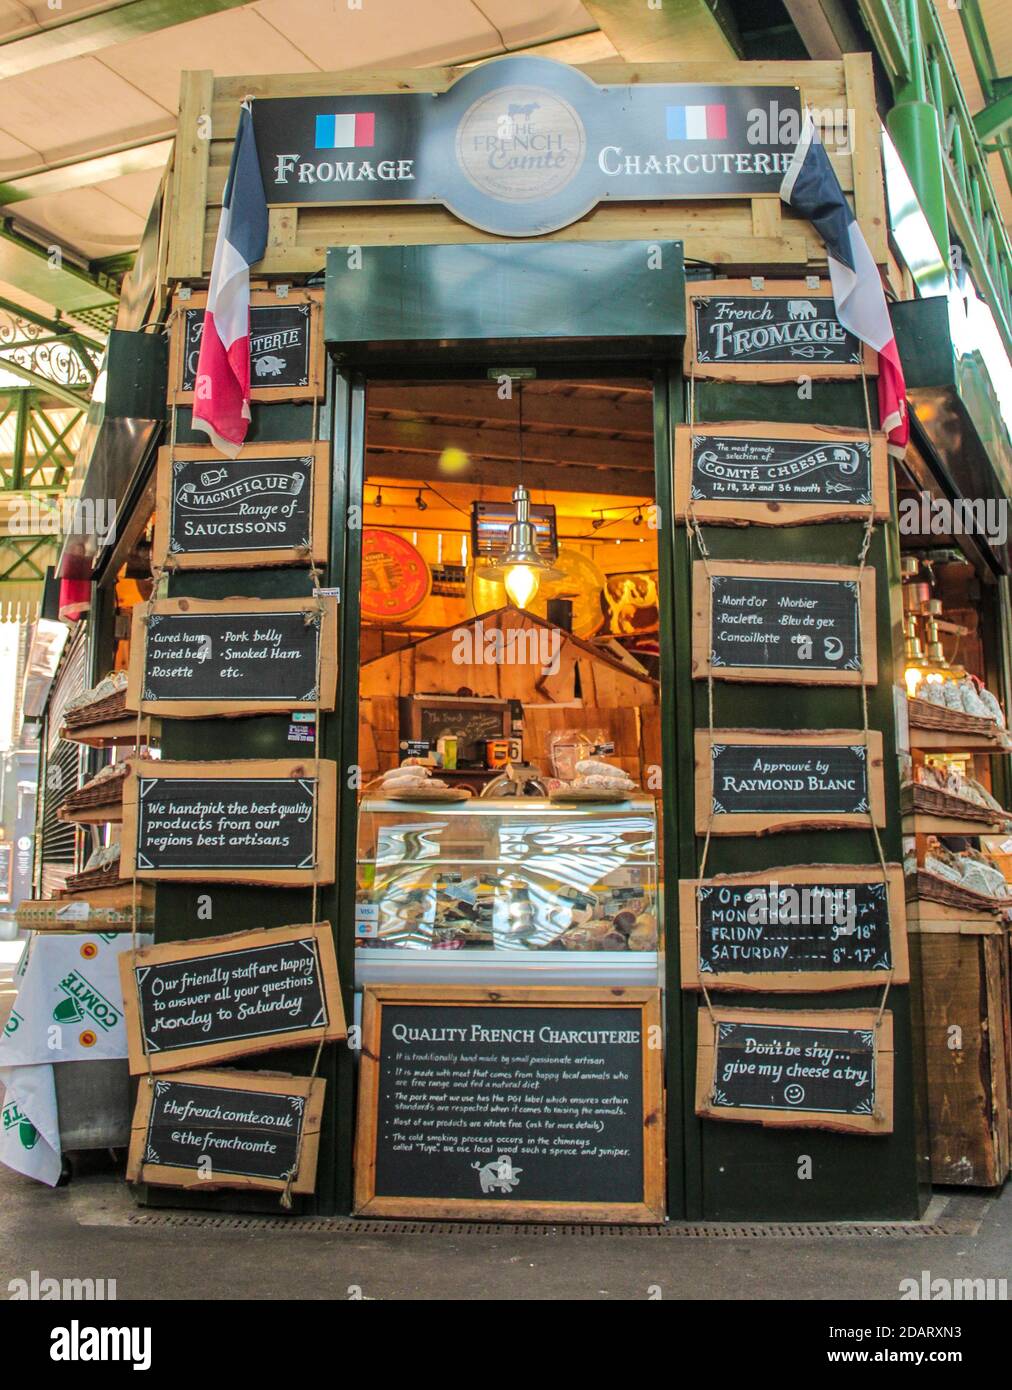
pixel 924 715
pixel 107 792
pixel 112 706
pixel 936 889
pixel 929 801
pixel 90 879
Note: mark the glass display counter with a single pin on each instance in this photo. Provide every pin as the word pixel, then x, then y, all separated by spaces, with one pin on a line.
pixel 518 890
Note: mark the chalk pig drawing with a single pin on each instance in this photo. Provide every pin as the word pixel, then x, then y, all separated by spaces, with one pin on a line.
pixel 499 1174
pixel 269 365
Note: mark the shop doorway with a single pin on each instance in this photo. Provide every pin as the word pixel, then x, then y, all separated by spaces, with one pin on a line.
pixel 502 696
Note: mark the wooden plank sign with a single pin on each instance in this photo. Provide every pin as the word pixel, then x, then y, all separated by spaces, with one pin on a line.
pixel 188 1003
pixel 830 1069
pixel 268 507
pixel 269 821
pixel 191 658
pixel 805 624
pixel 511 1104
pixel 805 927
pixel 783 331
pixel 212 1129
pixel 286 346
pixel 759 781
pixel 765 474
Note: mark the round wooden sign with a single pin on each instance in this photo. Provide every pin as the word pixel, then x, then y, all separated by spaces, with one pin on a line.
pixel 395 578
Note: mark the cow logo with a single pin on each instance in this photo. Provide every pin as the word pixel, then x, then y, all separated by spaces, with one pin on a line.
pixel 498 1175
pixel 521 143
pixel 801 309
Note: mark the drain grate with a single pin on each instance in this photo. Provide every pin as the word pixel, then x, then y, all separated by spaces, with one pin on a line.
pixel 961 1215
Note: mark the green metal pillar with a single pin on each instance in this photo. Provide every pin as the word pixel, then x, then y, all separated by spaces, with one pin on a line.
pixel 913 125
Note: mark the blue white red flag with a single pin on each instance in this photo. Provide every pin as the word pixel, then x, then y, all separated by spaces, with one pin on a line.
pixel 221 391
pixel 811 187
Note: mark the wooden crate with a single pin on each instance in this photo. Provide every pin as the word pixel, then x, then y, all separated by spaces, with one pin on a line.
pixel 963 966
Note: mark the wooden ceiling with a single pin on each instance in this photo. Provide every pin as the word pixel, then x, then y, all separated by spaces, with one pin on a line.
pixel 586 436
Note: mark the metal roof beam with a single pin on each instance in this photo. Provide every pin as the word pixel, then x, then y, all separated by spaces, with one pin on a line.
pixel 76 36
pixel 678 30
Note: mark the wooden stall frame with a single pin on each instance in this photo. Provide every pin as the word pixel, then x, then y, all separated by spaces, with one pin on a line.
pixel 757 511
pixel 252 558
pixel 747 234
pixel 209 948
pixel 259 299
pixel 766 371
pixel 702 618
pixel 367 1203
pixel 256 608
pixel 879 1122
pixel 769 822
pixel 253 1083
pixel 322 769
pixel 802 981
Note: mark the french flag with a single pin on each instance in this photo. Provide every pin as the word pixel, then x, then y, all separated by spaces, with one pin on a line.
pixel 811 187
pixel 696 122
pixel 355 130
pixel 221 394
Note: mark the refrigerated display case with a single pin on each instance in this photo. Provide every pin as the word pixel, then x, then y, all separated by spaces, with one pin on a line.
pixel 509 890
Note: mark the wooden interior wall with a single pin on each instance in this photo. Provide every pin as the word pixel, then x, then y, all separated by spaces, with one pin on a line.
pixel 751 234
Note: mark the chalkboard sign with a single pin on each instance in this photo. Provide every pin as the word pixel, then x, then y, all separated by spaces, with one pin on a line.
pixel 285 346
pixel 785 330
pixel 510 1104
pixel 266 507
pixel 266 821
pixel 819 1070
pixel 806 927
pixel 809 624
pixel 192 1002
pixel 194 658
pixel 212 1129
pixel 779 475
pixel 471 720
pixel 749 782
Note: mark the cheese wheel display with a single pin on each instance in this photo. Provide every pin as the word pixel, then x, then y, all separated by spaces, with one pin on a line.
pixel 396 580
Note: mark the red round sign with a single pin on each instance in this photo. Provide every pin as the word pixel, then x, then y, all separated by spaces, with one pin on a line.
pixel 395 578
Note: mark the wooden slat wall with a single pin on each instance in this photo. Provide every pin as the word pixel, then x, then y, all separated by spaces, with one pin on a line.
pixel 741 233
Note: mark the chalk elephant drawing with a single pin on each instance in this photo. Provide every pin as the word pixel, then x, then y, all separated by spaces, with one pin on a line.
pixel 499 1174
pixel 801 309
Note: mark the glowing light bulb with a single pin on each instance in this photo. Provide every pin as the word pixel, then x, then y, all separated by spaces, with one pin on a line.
pixel 521 583
pixel 913 676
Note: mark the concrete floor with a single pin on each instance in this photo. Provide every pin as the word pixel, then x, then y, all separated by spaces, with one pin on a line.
pixel 84 1231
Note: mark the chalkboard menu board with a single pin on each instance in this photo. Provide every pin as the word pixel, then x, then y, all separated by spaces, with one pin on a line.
pixel 510 1103
pixel 809 927
pixel 251 822
pixel 266 507
pixel 209 1129
pixel 779 475
pixel 470 720
pixel 284 346
pixel 777 333
pixel 196 658
pixel 819 1070
pixel 193 1002
pixel 813 624
pixel 747 781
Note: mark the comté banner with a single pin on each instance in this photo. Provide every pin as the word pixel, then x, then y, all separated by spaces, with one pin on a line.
pixel 522 146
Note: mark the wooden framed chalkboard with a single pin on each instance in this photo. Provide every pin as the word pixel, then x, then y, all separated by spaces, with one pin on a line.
pixel 213 1129
pixel 810 927
pixel 781 332
pixel 511 1104
pixel 188 1003
pixel 826 1069
pixel 266 508
pixel 191 658
pixel 265 821
pixel 758 473
pixel 286 345
pixel 796 624
pixel 470 719
pixel 760 781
